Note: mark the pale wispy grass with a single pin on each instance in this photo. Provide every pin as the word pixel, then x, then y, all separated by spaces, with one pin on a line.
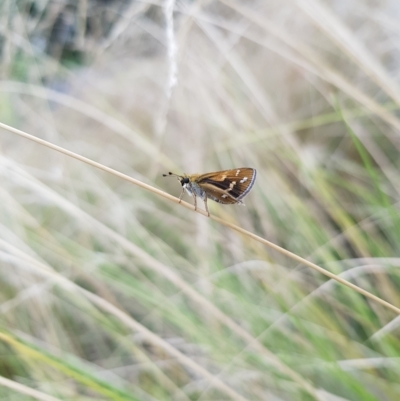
pixel 111 292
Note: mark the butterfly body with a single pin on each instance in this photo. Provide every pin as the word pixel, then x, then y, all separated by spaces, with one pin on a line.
pixel 193 189
pixel 226 187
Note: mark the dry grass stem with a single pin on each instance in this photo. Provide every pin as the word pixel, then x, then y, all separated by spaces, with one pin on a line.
pixel 217 219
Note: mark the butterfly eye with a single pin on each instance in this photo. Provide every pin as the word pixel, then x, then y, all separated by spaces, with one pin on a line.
pixel 184 181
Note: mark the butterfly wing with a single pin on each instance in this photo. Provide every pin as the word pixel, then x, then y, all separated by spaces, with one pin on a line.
pixel 228 186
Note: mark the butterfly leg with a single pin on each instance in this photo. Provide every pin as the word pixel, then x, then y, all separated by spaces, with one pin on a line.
pixel 205 204
pixel 181 195
pixel 192 191
pixel 195 201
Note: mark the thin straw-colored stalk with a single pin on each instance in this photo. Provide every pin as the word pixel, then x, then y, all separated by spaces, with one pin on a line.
pixel 217 219
pixel 22 389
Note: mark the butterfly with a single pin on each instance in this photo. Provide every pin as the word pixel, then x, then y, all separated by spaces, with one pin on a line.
pixel 228 186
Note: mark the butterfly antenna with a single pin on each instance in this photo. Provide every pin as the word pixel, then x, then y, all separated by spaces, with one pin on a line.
pixel 171 174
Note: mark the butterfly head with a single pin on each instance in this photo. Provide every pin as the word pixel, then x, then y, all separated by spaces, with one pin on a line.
pixel 181 178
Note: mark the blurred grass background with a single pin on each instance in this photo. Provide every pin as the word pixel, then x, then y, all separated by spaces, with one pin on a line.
pixel 111 293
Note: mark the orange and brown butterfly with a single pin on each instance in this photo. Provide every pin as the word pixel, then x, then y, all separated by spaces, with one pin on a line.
pixel 228 187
